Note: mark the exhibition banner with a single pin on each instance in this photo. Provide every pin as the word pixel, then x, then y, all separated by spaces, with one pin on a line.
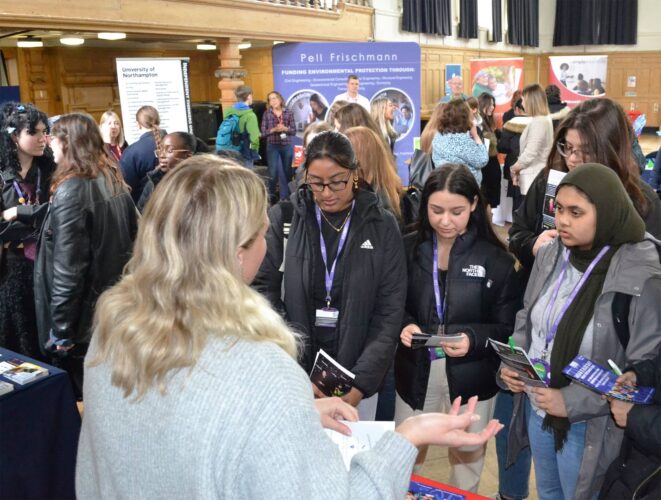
pixel 579 77
pixel 452 77
pixel 312 75
pixel 498 77
pixel 159 82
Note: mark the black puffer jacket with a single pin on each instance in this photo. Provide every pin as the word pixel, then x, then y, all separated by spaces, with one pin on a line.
pixel 85 241
pixel 372 291
pixel 29 217
pixel 482 299
pixel 638 468
pixel 527 219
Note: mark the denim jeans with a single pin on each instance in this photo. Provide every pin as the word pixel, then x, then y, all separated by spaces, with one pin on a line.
pixel 279 160
pixel 556 473
pixel 512 481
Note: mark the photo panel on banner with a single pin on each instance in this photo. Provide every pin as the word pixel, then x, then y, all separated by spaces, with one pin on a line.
pixel 453 79
pixel 579 77
pixel 498 77
pixel 311 76
pixel 159 82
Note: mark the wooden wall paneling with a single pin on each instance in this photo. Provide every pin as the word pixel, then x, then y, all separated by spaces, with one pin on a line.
pixel 258 63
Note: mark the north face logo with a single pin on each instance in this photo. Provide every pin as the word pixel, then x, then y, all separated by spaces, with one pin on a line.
pixel 474 271
pixel 367 245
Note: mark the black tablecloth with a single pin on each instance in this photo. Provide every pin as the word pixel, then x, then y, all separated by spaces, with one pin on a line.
pixel 39 428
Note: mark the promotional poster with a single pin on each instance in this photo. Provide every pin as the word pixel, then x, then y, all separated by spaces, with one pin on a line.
pixel 311 76
pixel 498 77
pixel 579 77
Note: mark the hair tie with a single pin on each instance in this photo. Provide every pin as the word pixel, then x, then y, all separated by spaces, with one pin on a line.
pixel 11 130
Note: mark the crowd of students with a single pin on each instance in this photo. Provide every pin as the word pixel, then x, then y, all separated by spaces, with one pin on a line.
pixel 199 321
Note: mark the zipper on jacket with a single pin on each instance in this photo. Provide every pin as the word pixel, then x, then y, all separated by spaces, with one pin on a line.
pixel 645 481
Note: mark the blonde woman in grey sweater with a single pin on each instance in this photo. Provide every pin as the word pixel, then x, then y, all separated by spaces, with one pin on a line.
pixel 192 385
pixel 536 139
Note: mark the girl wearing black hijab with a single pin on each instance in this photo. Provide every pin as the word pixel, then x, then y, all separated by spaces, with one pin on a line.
pixel 602 257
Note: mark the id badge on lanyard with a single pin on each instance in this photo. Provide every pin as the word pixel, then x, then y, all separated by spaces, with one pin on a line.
pixel 327 316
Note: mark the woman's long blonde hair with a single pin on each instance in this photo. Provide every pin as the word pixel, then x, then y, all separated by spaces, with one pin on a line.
pixel 378 112
pixel 376 165
pixel 105 117
pixel 183 283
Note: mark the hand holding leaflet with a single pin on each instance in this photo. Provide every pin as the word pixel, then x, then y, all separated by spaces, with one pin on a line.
pixel 517 360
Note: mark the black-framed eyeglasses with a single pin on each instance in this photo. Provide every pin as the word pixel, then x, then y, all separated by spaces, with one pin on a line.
pixel 566 151
pixel 318 187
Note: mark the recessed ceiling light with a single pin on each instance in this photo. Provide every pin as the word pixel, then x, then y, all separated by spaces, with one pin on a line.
pixel 29 42
pixel 206 45
pixel 278 42
pixel 246 45
pixel 72 40
pixel 111 35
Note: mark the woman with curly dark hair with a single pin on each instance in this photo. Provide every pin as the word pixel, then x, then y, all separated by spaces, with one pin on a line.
pixel 26 165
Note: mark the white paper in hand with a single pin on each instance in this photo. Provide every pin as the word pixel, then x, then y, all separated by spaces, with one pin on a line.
pixel 364 435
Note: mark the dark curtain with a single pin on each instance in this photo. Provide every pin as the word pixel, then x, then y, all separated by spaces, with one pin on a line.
pixel 618 22
pixel 427 16
pixel 595 22
pixel 523 21
pixel 496 21
pixel 467 19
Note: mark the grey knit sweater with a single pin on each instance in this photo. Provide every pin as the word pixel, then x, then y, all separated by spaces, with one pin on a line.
pixel 241 424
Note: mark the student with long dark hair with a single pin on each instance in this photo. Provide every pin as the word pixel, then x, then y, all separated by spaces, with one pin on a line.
pixel 26 166
pixel 461 280
pixel 595 291
pixel 491 175
pixel 340 278
pixel 594 131
pixel 85 240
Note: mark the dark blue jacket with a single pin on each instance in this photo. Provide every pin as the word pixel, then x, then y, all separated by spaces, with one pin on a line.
pixel 139 159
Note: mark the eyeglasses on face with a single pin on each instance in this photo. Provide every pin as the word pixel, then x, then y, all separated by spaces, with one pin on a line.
pixel 168 151
pixel 318 187
pixel 566 151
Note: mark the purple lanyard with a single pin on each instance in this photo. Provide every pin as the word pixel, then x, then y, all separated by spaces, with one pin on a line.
pixel 324 255
pixel 21 196
pixel 551 332
pixel 437 289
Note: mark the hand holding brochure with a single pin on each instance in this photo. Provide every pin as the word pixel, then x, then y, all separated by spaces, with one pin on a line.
pixel 517 359
pixel 329 376
pixel 421 339
pixel 602 380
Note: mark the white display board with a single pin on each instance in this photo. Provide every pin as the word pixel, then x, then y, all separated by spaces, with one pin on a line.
pixel 159 82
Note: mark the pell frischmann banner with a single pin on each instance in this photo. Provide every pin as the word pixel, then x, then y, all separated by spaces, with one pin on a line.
pixel 311 76
pixel 579 77
pixel 159 82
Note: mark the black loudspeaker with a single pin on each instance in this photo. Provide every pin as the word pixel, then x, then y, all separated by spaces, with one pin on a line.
pixel 206 120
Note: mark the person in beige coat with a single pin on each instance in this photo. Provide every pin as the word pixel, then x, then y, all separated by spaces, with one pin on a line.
pixel 536 140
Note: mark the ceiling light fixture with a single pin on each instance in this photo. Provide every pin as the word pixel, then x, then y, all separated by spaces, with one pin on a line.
pixel 246 45
pixel 277 42
pixel 72 40
pixel 29 42
pixel 111 35
pixel 206 45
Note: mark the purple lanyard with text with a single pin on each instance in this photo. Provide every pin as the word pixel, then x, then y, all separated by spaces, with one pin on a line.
pixel 21 195
pixel 440 309
pixel 552 330
pixel 324 255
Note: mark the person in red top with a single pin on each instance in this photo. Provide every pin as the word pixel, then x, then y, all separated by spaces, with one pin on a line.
pixel 278 127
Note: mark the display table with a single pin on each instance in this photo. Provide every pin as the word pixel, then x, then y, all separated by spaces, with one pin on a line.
pixel 39 428
pixel 428 489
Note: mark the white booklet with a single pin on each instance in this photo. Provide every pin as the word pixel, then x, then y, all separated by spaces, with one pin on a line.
pixel 363 438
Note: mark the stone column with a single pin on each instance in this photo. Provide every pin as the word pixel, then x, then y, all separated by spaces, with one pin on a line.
pixel 230 73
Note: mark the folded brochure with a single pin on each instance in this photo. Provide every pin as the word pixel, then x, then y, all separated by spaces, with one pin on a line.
pixel 364 436
pixel 421 339
pixel 329 376
pixel 25 373
pixel 517 359
pixel 602 380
